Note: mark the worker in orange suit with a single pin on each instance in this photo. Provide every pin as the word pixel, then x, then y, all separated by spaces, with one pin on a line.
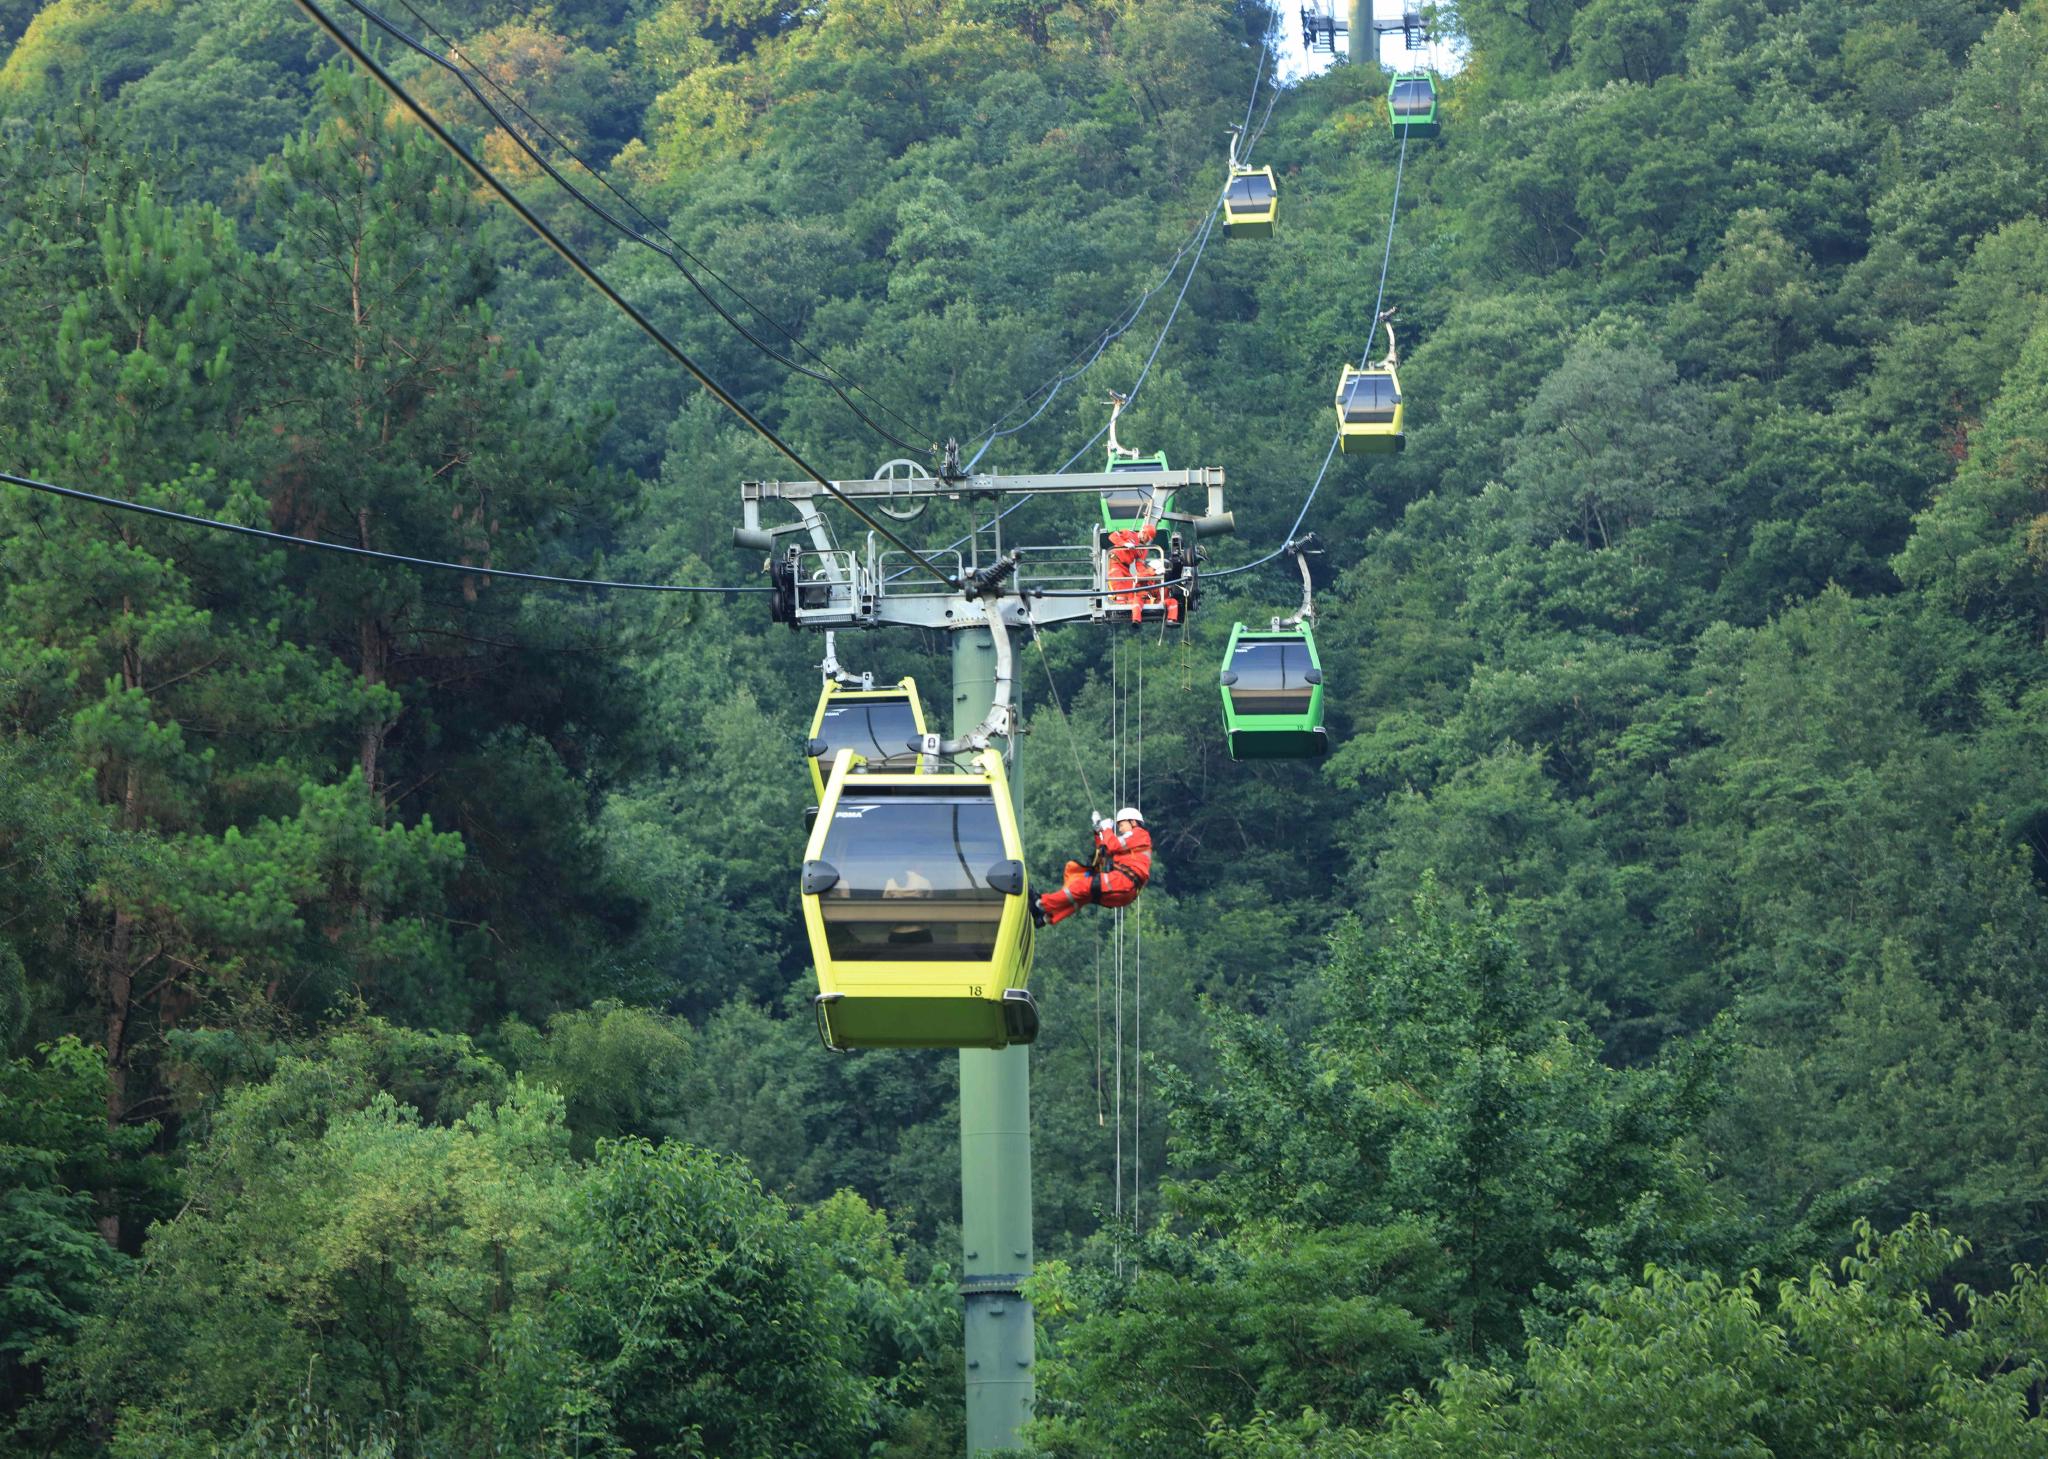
pixel 1121 866
pixel 1132 578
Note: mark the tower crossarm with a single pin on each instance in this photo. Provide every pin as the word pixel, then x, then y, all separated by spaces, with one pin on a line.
pixel 1214 520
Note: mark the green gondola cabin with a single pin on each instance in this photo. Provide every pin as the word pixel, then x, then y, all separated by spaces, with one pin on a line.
pixel 1123 510
pixel 1273 695
pixel 1411 105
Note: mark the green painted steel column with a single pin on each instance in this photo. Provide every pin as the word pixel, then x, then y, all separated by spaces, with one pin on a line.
pixel 1365 41
pixel 995 1169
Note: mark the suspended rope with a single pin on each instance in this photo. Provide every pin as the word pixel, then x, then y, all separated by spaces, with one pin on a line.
pixel 1138 976
pixel 1251 101
pixel 1101 1118
pixel 1073 743
pixel 1206 229
pixel 1117 728
pixel 1379 301
pixel 1118 958
pixel 837 380
pixel 358 52
pixel 1117 944
pixel 320 544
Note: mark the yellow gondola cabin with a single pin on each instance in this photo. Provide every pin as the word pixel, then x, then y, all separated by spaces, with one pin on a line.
pixel 882 726
pixel 1369 410
pixel 917 908
pixel 1250 203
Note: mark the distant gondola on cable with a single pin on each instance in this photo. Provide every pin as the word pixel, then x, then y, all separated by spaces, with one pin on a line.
pixel 1370 412
pixel 884 725
pixel 1251 199
pixel 1273 683
pixel 1125 509
pixel 917 909
pixel 1411 105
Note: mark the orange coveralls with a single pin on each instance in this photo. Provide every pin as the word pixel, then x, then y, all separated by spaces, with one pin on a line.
pixel 1129 867
pixel 1133 581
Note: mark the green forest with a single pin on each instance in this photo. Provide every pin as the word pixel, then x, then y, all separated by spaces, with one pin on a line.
pixel 1630 1040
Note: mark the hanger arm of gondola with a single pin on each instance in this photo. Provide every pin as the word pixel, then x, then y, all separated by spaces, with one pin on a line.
pixel 1393 355
pixel 999 722
pixel 837 673
pixel 1298 550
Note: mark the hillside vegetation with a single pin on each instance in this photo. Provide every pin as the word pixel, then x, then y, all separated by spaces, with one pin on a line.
pixel 1630 1040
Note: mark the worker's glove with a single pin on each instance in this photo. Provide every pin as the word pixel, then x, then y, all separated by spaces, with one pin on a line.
pixel 1102 823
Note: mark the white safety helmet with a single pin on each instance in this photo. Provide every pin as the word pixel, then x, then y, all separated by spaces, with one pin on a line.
pixel 1131 813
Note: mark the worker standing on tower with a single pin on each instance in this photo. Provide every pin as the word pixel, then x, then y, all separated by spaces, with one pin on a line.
pixel 1121 866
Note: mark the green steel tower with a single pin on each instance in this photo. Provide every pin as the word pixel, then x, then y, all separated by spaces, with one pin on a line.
pixel 995 1168
pixel 999 593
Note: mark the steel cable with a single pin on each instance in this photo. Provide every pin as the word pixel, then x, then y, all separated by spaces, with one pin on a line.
pixel 190 519
pixel 629 232
pixel 576 261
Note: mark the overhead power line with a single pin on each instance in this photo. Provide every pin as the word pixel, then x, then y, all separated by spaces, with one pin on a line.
pixel 675 252
pixel 597 281
pixel 317 544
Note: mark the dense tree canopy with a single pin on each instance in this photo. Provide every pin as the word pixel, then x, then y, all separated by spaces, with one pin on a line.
pixel 406 1034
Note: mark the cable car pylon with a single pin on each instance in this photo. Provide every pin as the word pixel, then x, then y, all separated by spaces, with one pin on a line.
pixel 913 882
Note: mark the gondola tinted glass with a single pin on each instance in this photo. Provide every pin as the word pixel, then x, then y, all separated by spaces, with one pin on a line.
pixel 878 730
pixel 1370 399
pixel 1416 98
pixel 1272 677
pixel 1250 193
pixel 912 878
pixel 1129 503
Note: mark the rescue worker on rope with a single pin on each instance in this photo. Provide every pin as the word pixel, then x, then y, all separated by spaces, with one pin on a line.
pixel 1121 866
